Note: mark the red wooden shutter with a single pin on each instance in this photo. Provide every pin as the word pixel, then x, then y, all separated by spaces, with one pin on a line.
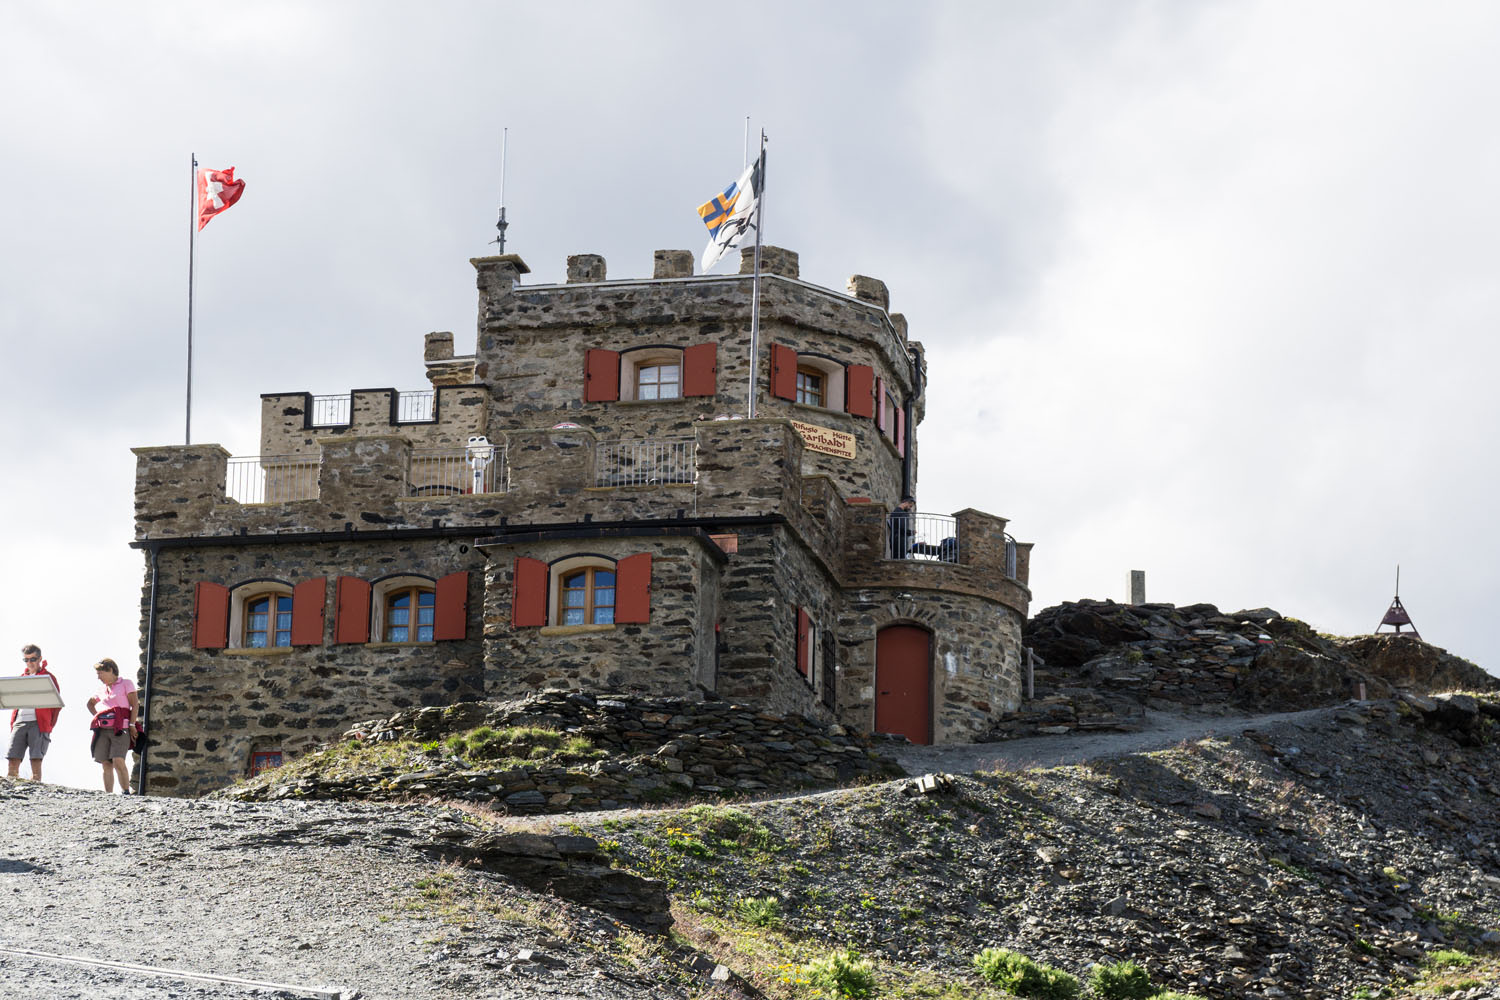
pixel 783 372
pixel 860 388
pixel 700 365
pixel 450 619
pixel 309 598
pixel 880 403
pixel 601 375
pixel 351 610
pixel 804 648
pixel 633 589
pixel 901 431
pixel 528 601
pixel 210 615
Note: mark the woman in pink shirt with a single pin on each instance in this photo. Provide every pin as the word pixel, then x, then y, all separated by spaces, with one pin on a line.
pixel 116 711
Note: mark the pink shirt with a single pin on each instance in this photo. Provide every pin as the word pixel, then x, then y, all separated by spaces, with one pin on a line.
pixel 115 695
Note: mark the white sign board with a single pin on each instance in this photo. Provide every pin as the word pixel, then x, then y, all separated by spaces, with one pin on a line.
pixel 29 691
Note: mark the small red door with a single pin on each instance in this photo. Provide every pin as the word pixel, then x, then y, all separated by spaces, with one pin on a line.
pixel 903 682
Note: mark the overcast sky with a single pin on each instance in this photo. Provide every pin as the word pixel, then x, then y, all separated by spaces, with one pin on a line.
pixel 1208 289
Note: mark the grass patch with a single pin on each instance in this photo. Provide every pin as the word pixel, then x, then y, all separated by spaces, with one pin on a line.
pixel 519 744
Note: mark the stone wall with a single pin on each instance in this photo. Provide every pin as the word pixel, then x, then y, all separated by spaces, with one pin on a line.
pixel 209 708
pixel 975 655
pixel 667 656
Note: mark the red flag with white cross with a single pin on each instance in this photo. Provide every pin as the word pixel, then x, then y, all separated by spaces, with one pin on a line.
pixel 217 190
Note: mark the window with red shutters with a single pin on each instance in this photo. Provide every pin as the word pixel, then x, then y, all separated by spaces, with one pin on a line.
pixel 528 603
pixel 804 645
pixel 783 372
pixel 601 375
pixel 633 589
pixel 452 618
pixel 309 601
pixel 210 615
pixel 859 400
pixel 700 369
pixel 351 612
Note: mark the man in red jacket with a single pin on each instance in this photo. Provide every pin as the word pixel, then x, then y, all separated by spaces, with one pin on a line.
pixel 31 728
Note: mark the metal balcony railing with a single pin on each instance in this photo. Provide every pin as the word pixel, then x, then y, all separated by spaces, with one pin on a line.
pixel 933 537
pixel 1010 556
pixel 452 471
pixel 644 463
pixel 330 411
pixel 414 407
pixel 271 478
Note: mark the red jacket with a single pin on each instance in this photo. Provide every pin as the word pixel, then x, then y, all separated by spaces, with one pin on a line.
pixel 46 718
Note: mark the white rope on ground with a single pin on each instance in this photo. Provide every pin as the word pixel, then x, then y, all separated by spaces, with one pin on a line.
pixel 320 993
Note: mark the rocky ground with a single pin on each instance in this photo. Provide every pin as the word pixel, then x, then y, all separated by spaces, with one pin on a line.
pixel 1327 854
pixel 1103 665
pixel 1172 799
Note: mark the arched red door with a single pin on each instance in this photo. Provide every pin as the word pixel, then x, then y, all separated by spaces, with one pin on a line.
pixel 903 682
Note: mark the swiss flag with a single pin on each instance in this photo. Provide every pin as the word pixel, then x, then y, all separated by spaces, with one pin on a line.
pixel 217 190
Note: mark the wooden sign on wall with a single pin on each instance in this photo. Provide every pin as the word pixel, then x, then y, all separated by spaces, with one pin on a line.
pixel 822 439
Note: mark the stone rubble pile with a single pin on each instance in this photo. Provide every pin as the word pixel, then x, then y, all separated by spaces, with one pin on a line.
pixel 655 750
pixel 1310 858
pixel 1105 664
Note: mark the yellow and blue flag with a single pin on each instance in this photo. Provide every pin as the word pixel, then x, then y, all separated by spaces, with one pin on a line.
pixel 730 215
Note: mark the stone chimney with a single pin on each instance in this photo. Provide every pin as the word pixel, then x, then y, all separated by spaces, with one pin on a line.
pixel 585 267
pixel 498 275
pixel 439 347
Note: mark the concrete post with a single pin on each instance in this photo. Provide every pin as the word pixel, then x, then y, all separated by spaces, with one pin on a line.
pixel 1137 586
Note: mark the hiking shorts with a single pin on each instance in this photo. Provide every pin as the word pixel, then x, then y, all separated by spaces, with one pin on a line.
pixel 109 745
pixel 28 737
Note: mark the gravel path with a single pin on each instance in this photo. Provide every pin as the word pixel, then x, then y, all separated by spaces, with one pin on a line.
pixel 1163 729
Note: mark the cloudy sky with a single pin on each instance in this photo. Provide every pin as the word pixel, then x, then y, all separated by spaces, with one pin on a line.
pixel 1208 288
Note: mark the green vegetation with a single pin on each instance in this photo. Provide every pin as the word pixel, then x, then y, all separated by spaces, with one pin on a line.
pixel 1448 958
pixel 1014 972
pixel 759 911
pixel 518 744
pixel 841 974
pixel 1121 981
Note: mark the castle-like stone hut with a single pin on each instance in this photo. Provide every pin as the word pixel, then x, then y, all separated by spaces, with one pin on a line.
pixel 589 501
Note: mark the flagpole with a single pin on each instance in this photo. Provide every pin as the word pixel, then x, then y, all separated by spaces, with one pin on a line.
pixel 192 250
pixel 760 214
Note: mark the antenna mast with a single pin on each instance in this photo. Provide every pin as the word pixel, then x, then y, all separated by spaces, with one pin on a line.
pixel 501 225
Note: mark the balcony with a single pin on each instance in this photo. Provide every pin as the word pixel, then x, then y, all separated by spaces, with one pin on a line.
pixel 933 537
pixel 411 407
pixel 271 478
pixel 644 463
pixel 453 471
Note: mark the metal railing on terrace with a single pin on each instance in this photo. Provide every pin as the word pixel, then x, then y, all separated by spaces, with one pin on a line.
pixel 644 463
pixel 412 407
pixel 330 411
pixel 451 471
pixel 271 478
pixel 933 537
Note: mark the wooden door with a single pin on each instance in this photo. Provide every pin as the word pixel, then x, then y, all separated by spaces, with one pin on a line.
pixel 903 682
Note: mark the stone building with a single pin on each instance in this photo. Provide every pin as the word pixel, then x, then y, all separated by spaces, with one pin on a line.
pixel 584 502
